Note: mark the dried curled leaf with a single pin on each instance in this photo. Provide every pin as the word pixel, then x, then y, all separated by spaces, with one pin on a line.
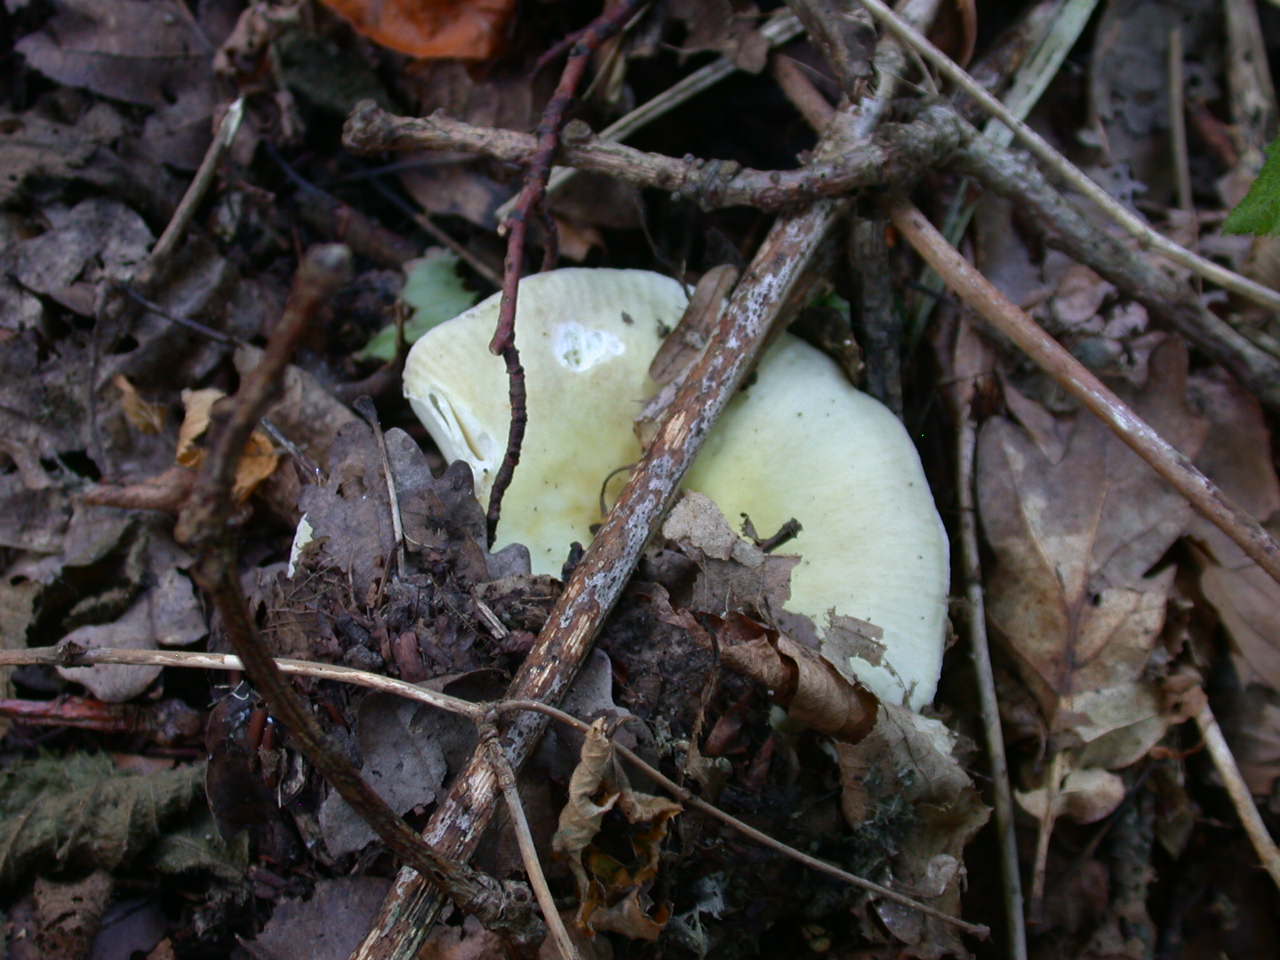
pixel 814 692
pixel 613 895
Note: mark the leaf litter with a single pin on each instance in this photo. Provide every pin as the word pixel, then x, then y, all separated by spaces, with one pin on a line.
pixel 1105 591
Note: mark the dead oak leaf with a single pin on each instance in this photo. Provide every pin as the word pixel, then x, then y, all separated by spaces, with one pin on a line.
pixel 1075 540
pixel 733 573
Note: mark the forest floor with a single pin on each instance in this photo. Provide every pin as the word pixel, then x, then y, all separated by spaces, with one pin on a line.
pixel 219 232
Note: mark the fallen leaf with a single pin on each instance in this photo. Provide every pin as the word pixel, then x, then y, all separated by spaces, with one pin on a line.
pixel 612 895
pixel 168 614
pixel 1075 541
pixel 332 922
pixel 129 50
pixel 733 573
pixel 257 462
pixel 913 809
pixel 70 913
pixel 124 49
pixel 142 414
pixel 809 686
pixel 1085 796
pixel 435 293
pixel 457 29
pixel 399 758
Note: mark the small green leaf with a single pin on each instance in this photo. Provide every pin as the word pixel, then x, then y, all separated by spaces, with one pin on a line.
pixel 1259 212
pixel 434 292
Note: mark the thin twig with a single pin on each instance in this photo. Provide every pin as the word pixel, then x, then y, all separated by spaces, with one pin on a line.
pixel 199 186
pixel 777 31
pixel 524 840
pixel 993 306
pixel 980 650
pixel 72 655
pixel 1225 764
pixel 529 203
pixel 1068 171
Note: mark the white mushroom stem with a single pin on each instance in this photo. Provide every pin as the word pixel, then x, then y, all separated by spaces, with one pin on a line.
pixel 799 442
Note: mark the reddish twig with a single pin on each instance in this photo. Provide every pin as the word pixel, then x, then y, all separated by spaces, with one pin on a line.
pixel 166 723
pixel 528 205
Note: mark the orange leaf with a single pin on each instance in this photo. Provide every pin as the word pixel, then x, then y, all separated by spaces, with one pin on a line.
pixel 463 29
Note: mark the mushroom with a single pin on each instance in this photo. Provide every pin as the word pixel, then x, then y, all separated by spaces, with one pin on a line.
pixel 799 442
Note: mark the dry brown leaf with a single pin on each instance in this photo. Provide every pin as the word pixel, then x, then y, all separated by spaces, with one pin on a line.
pixel 168 614
pixel 812 690
pixel 144 415
pixel 1075 540
pixel 1237 456
pixel 400 759
pixel 734 574
pixel 1085 796
pixel 613 896
pixel 256 463
pixel 457 29
pixel 903 790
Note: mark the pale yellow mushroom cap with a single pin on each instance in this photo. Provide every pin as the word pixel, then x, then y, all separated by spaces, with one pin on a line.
pixel 799 442
pixel 585 338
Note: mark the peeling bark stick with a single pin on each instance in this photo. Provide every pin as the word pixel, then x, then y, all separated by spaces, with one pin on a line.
pixel 204 525
pixel 994 307
pixel 898 154
pixel 529 204
pixel 592 591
